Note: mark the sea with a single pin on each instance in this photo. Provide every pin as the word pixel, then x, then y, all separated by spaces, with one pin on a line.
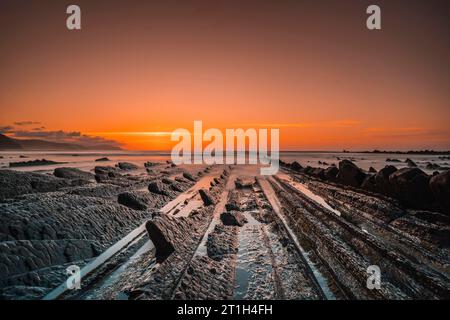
pixel 85 160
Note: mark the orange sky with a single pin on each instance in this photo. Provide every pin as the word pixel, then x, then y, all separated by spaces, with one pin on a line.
pixel 140 69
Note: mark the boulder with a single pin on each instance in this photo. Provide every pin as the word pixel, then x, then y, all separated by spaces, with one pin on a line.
pixel 233 218
pixel 159 234
pixel 434 166
pixel 72 173
pixel 350 174
pixel 372 170
pixel 132 201
pixel 206 197
pixel 244 182
pixel 411 186
pixel 440 187
pixel 369 183
pixel 188 176
pixel 331 173
pixel 176 187
pixel 221 242
pixel 308 170
pixel 180 180
pixel 15 183
pixel 127 166
pixel 318 173
pixel 296 166
pixel 410 163
pixel 104 170
pixel 157 187
pixel 233 202
pixel 101 159
pixel 167 181
pixel 382 180
pixel 42 162
pixel 149 164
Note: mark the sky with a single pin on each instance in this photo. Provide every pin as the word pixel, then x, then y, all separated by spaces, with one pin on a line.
pixel 137 70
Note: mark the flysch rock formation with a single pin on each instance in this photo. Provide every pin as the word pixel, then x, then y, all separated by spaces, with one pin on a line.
pixel 225 232
pixel 51 221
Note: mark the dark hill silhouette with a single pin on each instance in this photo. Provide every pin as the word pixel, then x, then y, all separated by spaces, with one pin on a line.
pixel 7 143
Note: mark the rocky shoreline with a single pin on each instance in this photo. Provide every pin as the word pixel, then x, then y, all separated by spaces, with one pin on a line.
pixel 226 232
pixel 411 186
pixel 48 221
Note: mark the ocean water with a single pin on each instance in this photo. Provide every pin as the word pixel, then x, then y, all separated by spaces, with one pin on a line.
pixel 85 160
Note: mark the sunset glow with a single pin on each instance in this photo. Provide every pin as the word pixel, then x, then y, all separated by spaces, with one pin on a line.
pixel 313 71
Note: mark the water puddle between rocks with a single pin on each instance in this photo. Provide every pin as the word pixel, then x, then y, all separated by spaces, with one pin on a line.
pixel 304 189
pixel 122 296
pixel 106 255
pixel 186 209
pixel 253 263
pixel 113 277
pixel 242 280
pixel 203 183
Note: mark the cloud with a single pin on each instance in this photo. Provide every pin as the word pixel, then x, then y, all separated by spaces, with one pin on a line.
pixel 321 124
pixel 60 134
pixel 38 129
pixel 6 129
pixel 26 123
pixel 75 137
pixel 135 133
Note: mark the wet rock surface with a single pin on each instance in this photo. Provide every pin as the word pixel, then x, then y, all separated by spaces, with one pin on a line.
pixel 132 200
pixel 188 176
pixel 158 187
pixel 350 174
pixel 440 187
pixel 351 241
pixel 207 279
pixel 410 163
pixel 42 162
pixel 127 166
pixel 15 183
pixel 233 218
pixel 177 240
pixel 206 197
pixel 222 241
pixel 72 173
pixel 48 222
pixel 244 182
pixel 410 185
pixel 331 173
pixel 63 216
pixel 303 234
pixel 382 180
